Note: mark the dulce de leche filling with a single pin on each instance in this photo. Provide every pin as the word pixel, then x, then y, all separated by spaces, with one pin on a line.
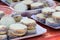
pixel 3 30
pixel 30 26
pixel 17 32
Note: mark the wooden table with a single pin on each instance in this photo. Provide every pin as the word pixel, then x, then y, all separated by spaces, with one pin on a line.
pixel 50 32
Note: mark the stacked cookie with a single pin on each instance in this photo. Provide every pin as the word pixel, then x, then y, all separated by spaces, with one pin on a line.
pixel 31 25
pixel 3 28
pixel 3 32
pixel 16 30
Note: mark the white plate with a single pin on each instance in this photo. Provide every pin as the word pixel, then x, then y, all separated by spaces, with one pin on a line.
pixel 35 18
pixel 39 31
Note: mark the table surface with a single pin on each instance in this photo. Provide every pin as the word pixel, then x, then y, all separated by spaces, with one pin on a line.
pixel 50 31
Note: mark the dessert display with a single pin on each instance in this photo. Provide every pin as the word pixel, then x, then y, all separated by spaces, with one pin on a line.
pixel 3 29
pixel 7 20
pixel 15 26
pixel 31 24
pixel 57 8
pixel 17 29
pixel 41 18
pixel 1 14
pixel 18 26
pixel 47 11
pixel 24 27
pixel 3 37
pixel 37 5
pixel 56 17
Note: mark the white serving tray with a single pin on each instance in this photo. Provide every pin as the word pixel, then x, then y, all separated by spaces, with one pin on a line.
pixel 30 12
pixel 39 31
pixel 35 18
pixel 15 3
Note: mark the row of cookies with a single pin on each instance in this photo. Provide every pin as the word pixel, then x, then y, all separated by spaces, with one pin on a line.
pixel 27 5
pixel 49 16
pixel 16 25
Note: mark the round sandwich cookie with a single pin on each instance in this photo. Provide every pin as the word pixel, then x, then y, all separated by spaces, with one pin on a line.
pixel 3 29
pixel 51 22
pixel 20 7
pixel 3 37
pixel 41 18
pixel 56 17
pixel 30 23
pixel 57 8
pixel 17 29
pixel 37 5
pixel 47 11
pixel 7 20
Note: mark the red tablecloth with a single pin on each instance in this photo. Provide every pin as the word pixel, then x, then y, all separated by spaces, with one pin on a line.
pixel 5 8
pixel 51 34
